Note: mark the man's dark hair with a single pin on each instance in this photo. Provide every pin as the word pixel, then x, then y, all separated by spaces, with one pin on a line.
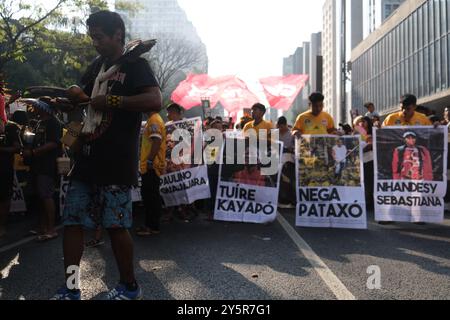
pixel 408 100
pixel 282 121
pixel 175 107
pixel 368 104
pixel 109 22
pixel 316 97
pixel 259 106
pixel 422 109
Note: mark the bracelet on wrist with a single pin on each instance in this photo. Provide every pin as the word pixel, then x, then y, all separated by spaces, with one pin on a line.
pixel 114 102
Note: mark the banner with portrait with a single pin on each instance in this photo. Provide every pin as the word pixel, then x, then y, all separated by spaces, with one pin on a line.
pixel 330 184
pixel 17 199
pixel 186 177
pixel 136 195
pixel 410 173
pixel 63 188
pixel 249 180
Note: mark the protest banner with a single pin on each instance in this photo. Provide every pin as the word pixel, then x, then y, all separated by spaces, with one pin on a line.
pixel 330 185
pixel 18 199
pixel 410 173
pixel 136 191
pixel 63 188
pixel 186 177
pixel 249 180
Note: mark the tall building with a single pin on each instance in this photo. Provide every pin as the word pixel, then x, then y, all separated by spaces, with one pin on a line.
pixel 376 12
pixel 307 59
pixel 288 65
pixel 335 58
pixel 356 23
pixel 154 17
pixel 315 60
pixel 331 58
pixel 162 18
pixel 166 21
pixel 409 53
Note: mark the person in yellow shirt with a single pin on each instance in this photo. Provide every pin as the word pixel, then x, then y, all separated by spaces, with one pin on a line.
pixel 152 166
pixel 408 115
pixel 258 124
pixel 315 121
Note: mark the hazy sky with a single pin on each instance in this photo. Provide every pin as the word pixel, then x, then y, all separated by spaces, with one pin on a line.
pixel 250 37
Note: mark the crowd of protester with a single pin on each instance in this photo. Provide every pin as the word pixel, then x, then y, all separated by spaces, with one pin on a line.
pixel 99 196
pixel 31 142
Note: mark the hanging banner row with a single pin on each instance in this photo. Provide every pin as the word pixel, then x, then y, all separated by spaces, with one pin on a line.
pixel 410 176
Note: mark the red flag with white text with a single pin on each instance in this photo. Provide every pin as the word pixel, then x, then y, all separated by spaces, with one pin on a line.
pixel 282 91
pixel 190 92
pixel 235 95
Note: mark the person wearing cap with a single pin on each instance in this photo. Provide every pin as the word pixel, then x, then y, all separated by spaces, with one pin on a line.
pixel 408 115
pixel 314 121
pixel 258 124
pixel 412 162
pixel 9 145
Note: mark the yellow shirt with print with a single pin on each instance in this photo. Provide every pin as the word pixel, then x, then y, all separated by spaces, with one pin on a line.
pixel 307 123
pixel 397 119
pixel 263 125
pixel 154 128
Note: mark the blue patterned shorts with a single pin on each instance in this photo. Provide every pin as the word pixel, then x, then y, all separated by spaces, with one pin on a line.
pixel 93 206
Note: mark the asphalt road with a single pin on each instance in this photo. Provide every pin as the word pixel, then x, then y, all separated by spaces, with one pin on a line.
pixel 217 260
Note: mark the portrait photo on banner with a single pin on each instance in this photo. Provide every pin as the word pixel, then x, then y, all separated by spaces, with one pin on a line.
pixel 249 173
pixel 326 161
pixel 193 128
pixel 413 154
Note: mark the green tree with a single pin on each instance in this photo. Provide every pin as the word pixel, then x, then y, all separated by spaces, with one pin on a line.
pixel 172 59
pixel 45 47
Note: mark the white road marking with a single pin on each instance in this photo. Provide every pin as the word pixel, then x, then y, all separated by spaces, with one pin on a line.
pixel 330 279
pixel 22 242
pixel 5 272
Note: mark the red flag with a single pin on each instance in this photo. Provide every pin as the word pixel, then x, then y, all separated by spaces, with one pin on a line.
pixel 235 95
pixel 282 91
pixel 2 108
pixel 190 92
